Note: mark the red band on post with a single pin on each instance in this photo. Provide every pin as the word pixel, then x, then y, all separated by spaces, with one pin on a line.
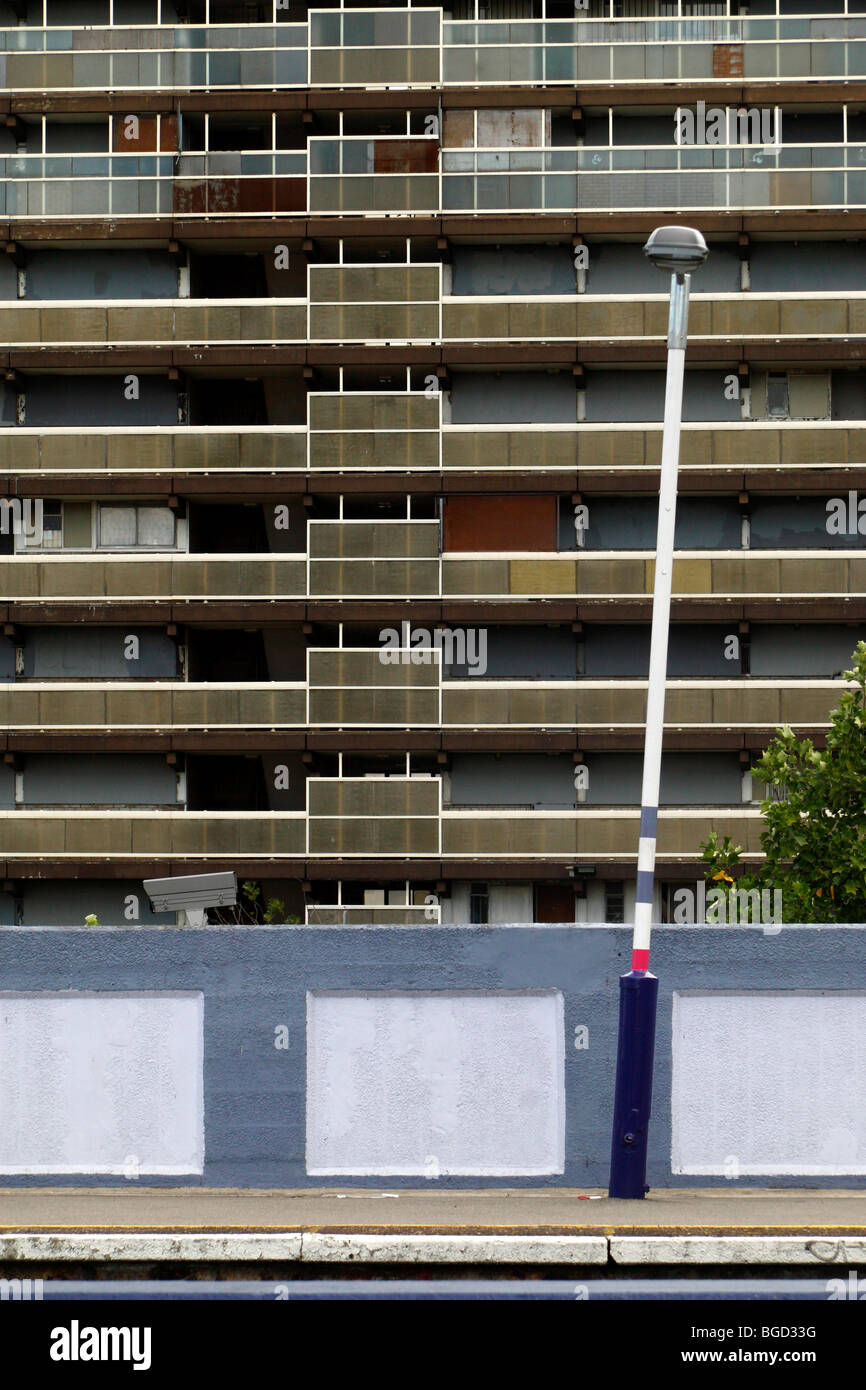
pixel 640 960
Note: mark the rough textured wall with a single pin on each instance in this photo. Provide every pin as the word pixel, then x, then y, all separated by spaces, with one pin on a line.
pixel 256 982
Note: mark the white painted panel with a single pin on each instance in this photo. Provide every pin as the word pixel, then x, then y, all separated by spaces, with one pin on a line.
pixel 769 1082
pixel 101 1083
pixel 429 1084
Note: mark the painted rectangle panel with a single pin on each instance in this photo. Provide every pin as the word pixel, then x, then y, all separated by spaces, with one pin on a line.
pixel 769 1082
pixel 101 1083
pixel 431 1084
pixel 500 523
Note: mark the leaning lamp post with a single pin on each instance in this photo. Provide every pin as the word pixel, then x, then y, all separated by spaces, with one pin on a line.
pixel 681 251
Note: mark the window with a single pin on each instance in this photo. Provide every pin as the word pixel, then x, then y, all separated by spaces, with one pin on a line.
pixel 151 527
pixel 478 903
pixel 614 901
pixel 777 395
pixel 94 526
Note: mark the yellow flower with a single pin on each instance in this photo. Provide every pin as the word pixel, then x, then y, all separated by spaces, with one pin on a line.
pixel 722 874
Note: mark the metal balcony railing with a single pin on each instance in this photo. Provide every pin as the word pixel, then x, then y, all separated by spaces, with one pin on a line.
pixel 410 174
pixel 418 48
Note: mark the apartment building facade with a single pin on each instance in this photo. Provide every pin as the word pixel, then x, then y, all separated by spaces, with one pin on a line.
pixel 331 407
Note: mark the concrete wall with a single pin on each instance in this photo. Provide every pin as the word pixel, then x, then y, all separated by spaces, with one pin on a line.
pixel 808 265
pixel 629 523
pixel 526 653
pixel 99 400
pixel 101 275
pixel 7 787
pixel 622 268
pixel 101 1083
pixel 513 270
pixel 694 649
pixel 484 398
pixel 640 396
pixel 774 1116
pixel 66 903
pixel 472 1120
pixel 797 524
pixel 99 779
pixel 546 782
pixel 804 649
pixel 256 983
pixel 71 653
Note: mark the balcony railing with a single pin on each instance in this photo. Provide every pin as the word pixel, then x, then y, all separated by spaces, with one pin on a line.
pixel 415 48
pixel 409 309
pixel 386 174
pixel 401 560
pixel 400 432
pixel 350 688
pixel 393 818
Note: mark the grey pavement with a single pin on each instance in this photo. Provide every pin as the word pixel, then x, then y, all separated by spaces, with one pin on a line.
pixel 532 1210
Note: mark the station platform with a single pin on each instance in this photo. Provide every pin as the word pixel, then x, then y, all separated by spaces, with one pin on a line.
pixel 533 1226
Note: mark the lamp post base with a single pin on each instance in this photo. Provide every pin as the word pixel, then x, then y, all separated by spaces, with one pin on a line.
pixel 638 998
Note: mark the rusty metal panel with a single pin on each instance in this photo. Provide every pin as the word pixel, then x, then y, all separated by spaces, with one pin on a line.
pixel 458 129
pixel 500 523
pixel 728 60
pixel 499 129
pixel 405 156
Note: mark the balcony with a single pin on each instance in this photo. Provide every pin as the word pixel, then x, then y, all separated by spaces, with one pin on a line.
pixel 350 688
pixel 375 559
pixel 628 574
pixel 154 323
pixel 133 834
pixel 384 174
pixel 400 560
pixel 372 817
pixel 415 48
pixel 153 58
pixel 246 183
pixel 402 825
pixel 616 448
pixel 397 433
pixel 152 706
pixel 398 304
pixel 69 577
pixel 167 449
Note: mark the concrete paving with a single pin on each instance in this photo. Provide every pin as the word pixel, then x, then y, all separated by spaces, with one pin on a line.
pixel 507 1211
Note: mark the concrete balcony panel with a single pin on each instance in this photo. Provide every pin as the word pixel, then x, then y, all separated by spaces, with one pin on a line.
pixel 352 708
pixel 365 669
pixel 153 576
pixel 123 834
pixel 374 539
pixel 596 833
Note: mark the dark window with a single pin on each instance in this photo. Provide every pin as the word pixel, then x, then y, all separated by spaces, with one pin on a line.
pixel 614 901
pixel 777 394
pixel 478 903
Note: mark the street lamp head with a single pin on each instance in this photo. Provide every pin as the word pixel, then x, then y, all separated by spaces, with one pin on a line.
pixel 680 250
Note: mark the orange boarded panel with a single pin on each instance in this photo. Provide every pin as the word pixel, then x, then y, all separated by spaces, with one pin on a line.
pixel 728 60
pixel 405 156
pixel 500 523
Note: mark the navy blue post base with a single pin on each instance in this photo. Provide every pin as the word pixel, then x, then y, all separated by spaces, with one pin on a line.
pixel 638 995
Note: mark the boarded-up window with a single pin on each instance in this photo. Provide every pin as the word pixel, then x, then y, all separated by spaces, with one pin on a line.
pixel 117 526
pixel 405 156
pixel 138 134
pixel 500 523
pixel 136 526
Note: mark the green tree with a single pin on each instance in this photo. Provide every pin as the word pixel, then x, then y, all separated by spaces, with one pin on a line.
pixel 814 837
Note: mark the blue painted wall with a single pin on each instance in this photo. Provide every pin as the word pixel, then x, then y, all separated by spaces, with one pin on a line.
pixel 254 980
